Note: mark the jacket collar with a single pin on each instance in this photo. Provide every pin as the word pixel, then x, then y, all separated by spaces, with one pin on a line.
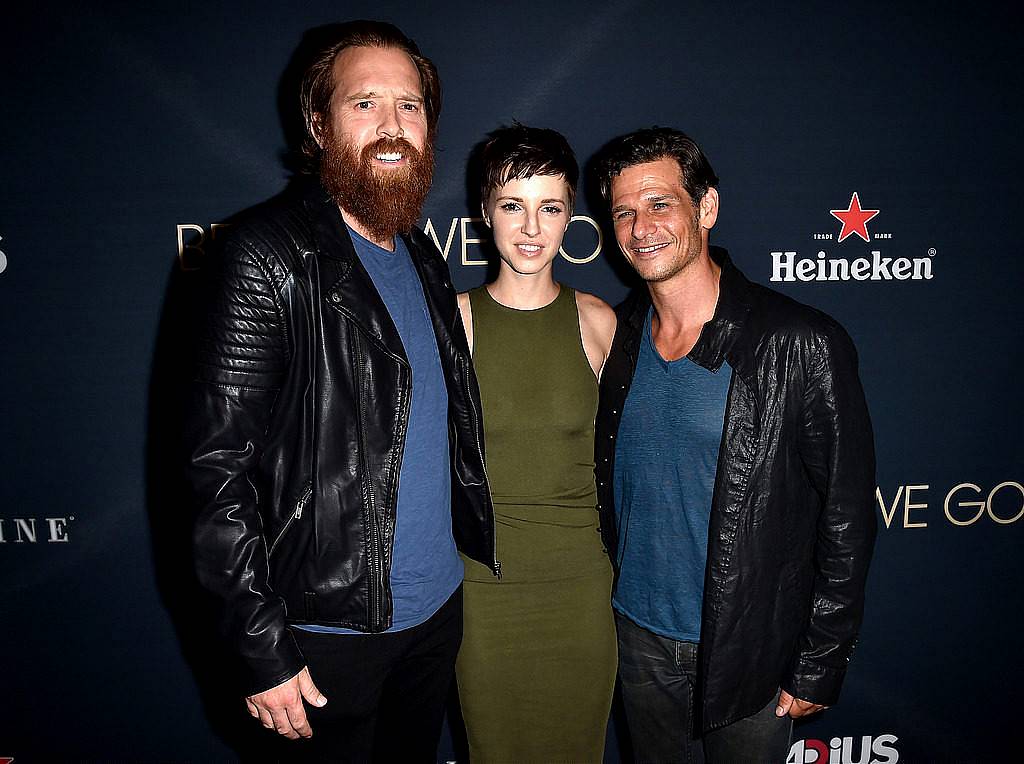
pixel 330 230
pixel 344 283
pixel 342 274
pixel 725 337
pixel 331 235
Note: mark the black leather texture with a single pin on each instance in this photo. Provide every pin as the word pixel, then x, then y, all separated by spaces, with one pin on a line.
pixel 296 430
pixel 792 523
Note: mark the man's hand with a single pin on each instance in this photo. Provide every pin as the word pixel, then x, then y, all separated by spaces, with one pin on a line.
pixel 795 707
pixel 280 708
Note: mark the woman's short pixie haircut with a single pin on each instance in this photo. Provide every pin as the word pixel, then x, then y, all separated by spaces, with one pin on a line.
pixel 517 152
pixel 650 145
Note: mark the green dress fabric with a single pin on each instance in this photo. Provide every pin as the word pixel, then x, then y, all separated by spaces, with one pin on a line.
pixel 537 666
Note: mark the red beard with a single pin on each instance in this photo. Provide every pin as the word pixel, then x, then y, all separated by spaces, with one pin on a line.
pixel 384 204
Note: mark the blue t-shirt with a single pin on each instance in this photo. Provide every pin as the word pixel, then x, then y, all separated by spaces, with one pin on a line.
pixel 426 568
pixel 666 459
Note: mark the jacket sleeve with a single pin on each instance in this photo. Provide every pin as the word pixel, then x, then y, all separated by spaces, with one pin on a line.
pixel 837 449
pixel 241 358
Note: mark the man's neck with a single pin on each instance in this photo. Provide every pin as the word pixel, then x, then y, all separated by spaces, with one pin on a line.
pixel 353 222
pixel 683 304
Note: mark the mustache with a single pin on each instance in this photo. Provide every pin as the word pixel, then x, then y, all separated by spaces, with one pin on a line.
pixel 385 203
pixel 388 145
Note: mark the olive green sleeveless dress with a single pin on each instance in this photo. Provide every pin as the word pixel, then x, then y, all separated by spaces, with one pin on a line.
pixel 538 660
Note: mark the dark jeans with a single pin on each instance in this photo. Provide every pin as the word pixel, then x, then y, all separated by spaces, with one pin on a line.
pixel 658 677
pixel 385 693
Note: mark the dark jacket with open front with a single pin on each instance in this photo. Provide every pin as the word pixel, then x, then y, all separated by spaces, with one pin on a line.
pixel 792 521
pixel 296 430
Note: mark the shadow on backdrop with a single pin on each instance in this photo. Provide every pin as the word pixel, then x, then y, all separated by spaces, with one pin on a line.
pixel 170 506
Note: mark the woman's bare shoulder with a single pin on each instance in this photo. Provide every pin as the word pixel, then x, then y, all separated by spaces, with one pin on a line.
pixel 596 312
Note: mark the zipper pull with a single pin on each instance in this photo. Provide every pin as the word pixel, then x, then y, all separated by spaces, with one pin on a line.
pixel 497 569
pixel 302 503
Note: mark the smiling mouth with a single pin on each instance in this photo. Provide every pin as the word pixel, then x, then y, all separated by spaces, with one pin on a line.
pixel 650 249
pixel 529 249
pixel 390 157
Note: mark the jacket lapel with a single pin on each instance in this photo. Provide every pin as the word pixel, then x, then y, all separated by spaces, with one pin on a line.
pixel 725 337
pixel 634 316
pixel 437 289
pixel 436 280
pixel 346 287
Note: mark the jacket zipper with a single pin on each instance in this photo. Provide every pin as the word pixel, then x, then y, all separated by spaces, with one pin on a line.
pixel 374 557
pixel 300 505
pixel 496 566
pixel 404 430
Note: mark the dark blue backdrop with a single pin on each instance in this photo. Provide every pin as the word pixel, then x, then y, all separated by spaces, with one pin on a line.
pixel 127 130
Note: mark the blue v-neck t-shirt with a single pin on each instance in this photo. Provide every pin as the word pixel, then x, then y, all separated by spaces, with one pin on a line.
pixel 666 459
pixel 426 568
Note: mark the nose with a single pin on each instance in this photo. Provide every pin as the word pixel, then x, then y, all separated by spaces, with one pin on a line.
pixel 531 224
pixel 643 226
pixel 390 126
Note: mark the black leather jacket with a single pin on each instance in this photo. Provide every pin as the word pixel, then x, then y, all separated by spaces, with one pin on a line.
pixel 792 519
pixel 296 431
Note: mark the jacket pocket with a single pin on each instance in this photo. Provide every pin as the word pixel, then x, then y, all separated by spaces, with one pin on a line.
pixel 296 514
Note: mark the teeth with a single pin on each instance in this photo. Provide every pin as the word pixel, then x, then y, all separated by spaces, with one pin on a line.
pixel 393 156
pixel 531 248
pixel 647 250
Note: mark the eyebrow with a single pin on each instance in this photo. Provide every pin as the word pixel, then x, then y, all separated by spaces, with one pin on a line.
pixel 363 95
pixel 520 199
pixel 652 197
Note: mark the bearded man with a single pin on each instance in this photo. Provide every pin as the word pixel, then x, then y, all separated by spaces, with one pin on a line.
pixel 335 438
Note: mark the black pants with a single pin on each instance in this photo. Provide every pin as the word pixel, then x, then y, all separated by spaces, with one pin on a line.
pixel 385 693
pixel 659 678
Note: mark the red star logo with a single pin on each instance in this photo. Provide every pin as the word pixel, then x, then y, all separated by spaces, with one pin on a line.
pixel 854 219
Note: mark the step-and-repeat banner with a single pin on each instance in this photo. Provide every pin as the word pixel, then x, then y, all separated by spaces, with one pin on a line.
pixel 870 159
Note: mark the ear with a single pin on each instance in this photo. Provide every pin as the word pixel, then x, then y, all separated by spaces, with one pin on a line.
pixel 708 209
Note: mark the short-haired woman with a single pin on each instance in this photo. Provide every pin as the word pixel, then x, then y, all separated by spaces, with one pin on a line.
pixel 538 660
